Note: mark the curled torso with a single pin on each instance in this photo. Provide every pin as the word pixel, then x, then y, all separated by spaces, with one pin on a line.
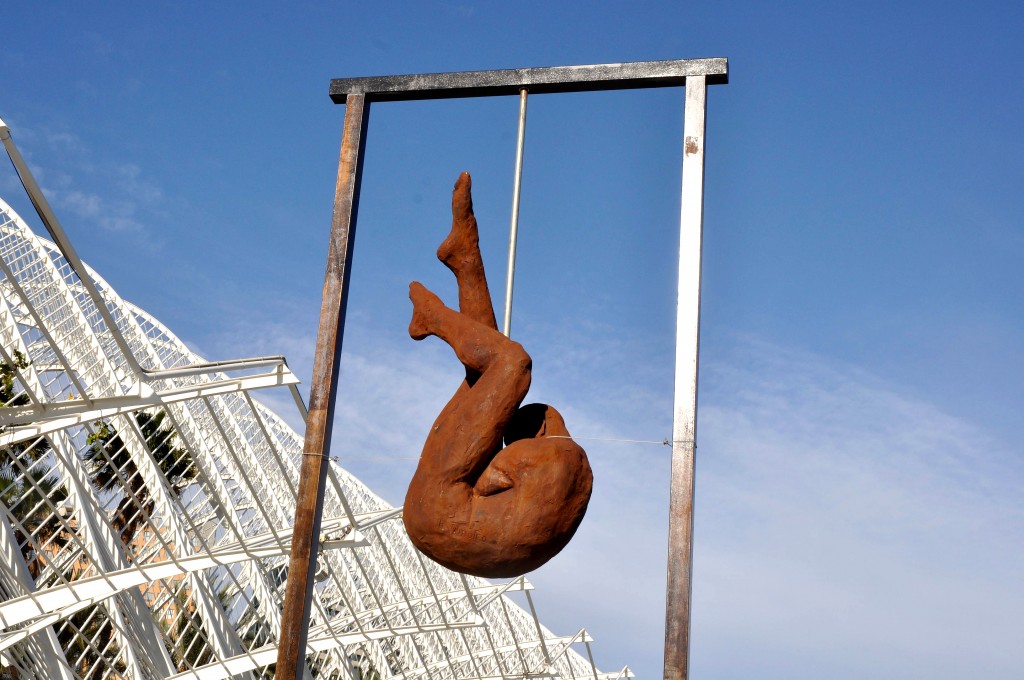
pixel 515 515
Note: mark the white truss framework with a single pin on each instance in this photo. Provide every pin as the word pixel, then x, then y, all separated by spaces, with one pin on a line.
pixel 146 516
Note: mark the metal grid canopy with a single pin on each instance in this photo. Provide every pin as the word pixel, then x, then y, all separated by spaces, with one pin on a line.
pixel 357 94
pixel 145 512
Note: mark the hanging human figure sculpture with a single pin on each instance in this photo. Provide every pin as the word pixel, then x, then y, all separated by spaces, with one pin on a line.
pixel 474 506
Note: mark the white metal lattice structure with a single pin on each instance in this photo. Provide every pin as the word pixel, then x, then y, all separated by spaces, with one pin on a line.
pixel 146 514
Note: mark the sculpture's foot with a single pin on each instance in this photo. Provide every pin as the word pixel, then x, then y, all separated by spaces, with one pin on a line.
pixel 461 248
pixel 423 304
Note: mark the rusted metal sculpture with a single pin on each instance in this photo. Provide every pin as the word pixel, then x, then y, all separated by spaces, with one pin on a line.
pixel 472 505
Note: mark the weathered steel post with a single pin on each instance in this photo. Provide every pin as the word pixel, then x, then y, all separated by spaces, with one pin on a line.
pixel 323 390
pixel 684 412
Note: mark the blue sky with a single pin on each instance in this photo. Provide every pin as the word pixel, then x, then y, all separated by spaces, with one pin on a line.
pixel 860 471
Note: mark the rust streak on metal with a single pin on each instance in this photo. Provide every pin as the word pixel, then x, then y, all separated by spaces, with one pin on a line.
pixel 316 449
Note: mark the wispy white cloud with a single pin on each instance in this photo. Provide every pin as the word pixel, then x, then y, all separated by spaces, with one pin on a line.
pixel 116 197
pixel 846 529
pixel 80 203
pixel 843 527
pixel 131 181
pixel 63 141
pixel 111 216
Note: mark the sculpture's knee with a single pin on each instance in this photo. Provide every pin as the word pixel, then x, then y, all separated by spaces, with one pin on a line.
pixel 516 358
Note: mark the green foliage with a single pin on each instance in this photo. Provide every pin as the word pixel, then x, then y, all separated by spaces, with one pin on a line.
pixel 87 639
pixel 30 490
pixel 191 648
pixel 112 468
pixel 7 374
pixel 27 482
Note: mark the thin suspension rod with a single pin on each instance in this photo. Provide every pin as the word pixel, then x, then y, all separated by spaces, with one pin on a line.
pixel 514 228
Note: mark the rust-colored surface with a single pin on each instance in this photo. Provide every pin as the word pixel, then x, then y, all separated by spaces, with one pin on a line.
pixel 472 505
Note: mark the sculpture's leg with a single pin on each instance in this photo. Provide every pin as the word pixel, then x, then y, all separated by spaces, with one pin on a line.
pixel 473 506
pixel 460 252
pixel 468 432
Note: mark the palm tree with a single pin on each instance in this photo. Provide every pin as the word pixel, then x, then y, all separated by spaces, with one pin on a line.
pixel 112 469
pixel 190 646
pixel 29 489
pixel 87 639
pixel 108 456
pixel 37 527
pixel 8 370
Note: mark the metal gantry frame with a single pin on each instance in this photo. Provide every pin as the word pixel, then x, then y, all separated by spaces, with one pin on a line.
pixel 196 589
pixel 357 94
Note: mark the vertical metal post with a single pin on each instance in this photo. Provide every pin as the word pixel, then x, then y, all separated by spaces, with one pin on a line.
pixel 514 229
pixel 316 449
pixel 684 419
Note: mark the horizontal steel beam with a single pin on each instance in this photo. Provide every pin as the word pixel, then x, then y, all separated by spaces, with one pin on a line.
pixel 61 415
pixel 264 656
pixel 590 78
pixel 55 599
pixel 517 645
pixel 546 675
pixel 452 597
pixel 208 367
